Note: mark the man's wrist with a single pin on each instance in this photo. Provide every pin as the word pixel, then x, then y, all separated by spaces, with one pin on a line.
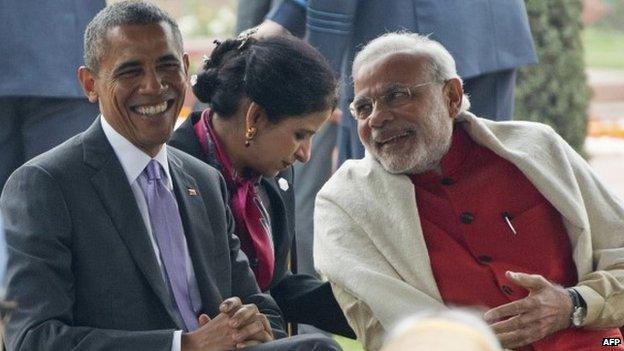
pixel 186 342
pixel 579 308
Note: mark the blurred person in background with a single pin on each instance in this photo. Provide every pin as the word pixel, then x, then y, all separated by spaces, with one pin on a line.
pixel 444 330
pixel 267 99
pixel 41 101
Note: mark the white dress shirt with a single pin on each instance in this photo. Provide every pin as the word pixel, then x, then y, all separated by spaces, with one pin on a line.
pixel 133 161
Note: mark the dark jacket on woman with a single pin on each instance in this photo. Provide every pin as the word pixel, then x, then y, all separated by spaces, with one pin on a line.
pixel 302 298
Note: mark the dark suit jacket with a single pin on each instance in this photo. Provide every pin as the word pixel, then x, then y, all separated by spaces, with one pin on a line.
pixel 302 298
pixel 81 265
pixel 483 36
pixel 42 44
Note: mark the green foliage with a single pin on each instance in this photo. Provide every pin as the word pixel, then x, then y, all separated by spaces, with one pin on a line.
pixel 208 18
pixel 604 48
pixel 348 344
pixel 555 91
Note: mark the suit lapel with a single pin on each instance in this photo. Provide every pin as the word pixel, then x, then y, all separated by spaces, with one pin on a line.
pixel 198 232
pixel 279 224
pixel 111 184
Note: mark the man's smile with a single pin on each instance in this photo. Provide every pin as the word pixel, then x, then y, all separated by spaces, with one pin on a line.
pixel 386 139
pixel 152 109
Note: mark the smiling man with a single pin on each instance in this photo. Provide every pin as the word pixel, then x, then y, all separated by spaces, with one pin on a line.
pixel 118 242
pixel 451 209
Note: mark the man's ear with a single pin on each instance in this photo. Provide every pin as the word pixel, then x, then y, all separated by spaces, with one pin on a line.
pixel 87 81
pixel 454 93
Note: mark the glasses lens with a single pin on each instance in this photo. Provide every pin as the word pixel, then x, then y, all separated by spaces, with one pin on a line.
pixel 361 108
pixel 397 97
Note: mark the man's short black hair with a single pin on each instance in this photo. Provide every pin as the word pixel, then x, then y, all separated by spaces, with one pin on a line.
pixel 122 13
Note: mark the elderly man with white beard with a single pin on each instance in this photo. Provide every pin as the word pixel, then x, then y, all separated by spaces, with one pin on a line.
pixel 447 208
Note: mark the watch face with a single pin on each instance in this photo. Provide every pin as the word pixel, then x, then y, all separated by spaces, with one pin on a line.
pixel 578 316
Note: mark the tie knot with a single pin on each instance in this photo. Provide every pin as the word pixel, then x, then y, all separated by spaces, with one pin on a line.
pixel 153 170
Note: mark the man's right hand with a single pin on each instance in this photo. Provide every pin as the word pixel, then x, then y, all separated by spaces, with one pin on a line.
pixel 253 327
pixel 237 326
pixel 212 335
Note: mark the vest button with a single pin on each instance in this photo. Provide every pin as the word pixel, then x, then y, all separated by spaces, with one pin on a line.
pixel 447 181
pixel 466 217
pixel 485 259
pixel 507 290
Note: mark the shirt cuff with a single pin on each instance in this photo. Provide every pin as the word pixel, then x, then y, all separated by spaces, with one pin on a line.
pixel 176 345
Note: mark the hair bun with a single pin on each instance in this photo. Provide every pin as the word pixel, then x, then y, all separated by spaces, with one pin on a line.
pixel 206 85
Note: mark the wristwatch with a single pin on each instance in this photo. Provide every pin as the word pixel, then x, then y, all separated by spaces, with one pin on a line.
pixel 579 308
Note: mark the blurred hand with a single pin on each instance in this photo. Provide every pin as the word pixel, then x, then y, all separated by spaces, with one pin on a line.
pixel 270 28
pixel 545 311
pixel 336 116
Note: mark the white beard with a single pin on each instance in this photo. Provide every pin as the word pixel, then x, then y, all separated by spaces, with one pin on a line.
pixel 433 137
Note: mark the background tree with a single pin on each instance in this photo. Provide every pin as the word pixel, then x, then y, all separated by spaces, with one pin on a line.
pixel 555 91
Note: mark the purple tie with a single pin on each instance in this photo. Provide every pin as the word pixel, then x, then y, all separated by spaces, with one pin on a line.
pixel 169 234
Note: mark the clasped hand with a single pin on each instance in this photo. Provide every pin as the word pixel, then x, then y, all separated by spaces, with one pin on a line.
pixel 236 326
pixel 545 311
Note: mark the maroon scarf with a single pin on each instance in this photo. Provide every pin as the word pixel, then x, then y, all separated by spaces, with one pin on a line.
pixel 244 203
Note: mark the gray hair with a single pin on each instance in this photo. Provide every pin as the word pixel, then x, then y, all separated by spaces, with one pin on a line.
pixel 441 65
pixel 462 317
pixel 122 13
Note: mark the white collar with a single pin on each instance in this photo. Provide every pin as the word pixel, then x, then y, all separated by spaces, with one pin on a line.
pixel 132 159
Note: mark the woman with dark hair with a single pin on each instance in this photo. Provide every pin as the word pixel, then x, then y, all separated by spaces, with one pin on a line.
pixel 267 98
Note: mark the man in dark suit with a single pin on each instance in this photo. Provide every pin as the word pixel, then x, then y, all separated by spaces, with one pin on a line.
pixel 118 242
pixel 41 102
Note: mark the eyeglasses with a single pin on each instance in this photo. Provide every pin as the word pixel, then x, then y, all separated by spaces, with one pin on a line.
pixel 396 96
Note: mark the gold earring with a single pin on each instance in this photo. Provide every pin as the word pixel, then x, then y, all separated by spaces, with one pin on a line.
pixel 249 135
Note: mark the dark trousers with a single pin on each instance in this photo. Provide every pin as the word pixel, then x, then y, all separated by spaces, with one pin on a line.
pixel 308 342
pixel 30 126
pixel 492 95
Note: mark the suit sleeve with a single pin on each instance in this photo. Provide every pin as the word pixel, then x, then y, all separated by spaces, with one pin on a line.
pixel 243 281
pixel 327 25
pixel 290 15
pixel 305 299
pixel 39 241
pixel 603 288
